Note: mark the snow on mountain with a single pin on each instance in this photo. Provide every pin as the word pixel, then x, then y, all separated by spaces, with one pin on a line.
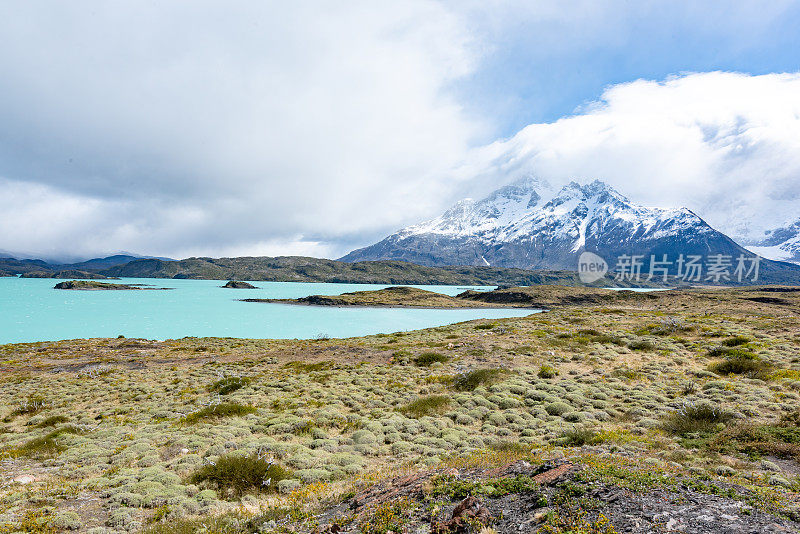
pixel 781 244
pixel 529 225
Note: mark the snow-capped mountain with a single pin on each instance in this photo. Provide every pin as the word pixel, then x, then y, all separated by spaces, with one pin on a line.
pixel 529 225
pixel 781 244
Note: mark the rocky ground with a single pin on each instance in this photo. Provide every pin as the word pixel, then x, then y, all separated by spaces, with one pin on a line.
pixel 676 411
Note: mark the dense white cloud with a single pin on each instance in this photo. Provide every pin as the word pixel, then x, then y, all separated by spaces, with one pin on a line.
pixel 207 126
pixel 726 145
pixel 202 128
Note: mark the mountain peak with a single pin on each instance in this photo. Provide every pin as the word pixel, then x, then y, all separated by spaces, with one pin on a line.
pixel 526 224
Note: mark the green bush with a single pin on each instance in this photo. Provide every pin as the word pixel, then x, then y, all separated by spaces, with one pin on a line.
pixel 53 420
pixel 234 475
pixel 31 405
pixel 546 371
pixel 557 408
pixel 229 384
pixel 430 405
pixel 217 411
pixel 746 364
pixel 309 367
pixel 736 341
pixel 578 437
pixel 426 359
pixel 695 418
pixel 479 377
pixel 641 344
pixel 225 524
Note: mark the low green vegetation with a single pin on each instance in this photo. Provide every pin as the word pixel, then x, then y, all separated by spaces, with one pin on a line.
pixel 547 371
pixel 479 377
pixel 426 359
pixel 229 384
pixel 233 475
pixel 180 435
pixel 218 411
pixel 430 405
pixel 696 418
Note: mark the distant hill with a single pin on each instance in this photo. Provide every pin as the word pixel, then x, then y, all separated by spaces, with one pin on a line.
pixel 10 266
pixel 102 263
pixel 304 269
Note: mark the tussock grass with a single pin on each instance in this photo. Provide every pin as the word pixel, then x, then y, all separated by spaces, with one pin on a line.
pixel 578 437
pixel 309 367
pixel 218 411
pixel 229 384
pixel 430 405
pixel 479 377
pixel 426 359
pixel 736 341
pixel 695 418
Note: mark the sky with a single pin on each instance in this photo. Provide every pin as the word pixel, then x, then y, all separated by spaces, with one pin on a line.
pixel 197 128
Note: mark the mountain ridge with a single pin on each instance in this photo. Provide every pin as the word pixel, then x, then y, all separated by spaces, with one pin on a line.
pixel 529 225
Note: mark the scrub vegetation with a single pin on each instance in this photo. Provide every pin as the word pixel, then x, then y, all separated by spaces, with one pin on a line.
pixel 688 391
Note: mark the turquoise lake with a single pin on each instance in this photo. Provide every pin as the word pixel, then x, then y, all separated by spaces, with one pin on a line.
pixel 31 310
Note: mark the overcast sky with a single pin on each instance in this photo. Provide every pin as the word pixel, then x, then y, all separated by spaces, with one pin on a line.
pixel 269 128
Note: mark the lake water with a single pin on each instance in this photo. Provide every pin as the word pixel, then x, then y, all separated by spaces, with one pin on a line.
pixel 31 310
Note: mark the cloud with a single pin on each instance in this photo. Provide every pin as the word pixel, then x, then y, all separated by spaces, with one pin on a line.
pixel 203 126
pixel 197 128
pixel 726 145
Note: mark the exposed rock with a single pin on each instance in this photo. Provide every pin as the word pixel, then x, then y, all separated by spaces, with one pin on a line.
pixel 233 284
pixel 85 285
pixel 25 479
pixel 466 515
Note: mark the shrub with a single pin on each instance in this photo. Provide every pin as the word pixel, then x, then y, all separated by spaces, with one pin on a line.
pixel 216 411
pixel 309 367
pixel 744 363
pixel 557 408
pixel 229 384
pixel 641 344
pixel 234 475
pixel 426 359
pixel 391 516
pixel 736 341
pixel 225 524
pixel 430 405
pixel 31 405
pixel 578 437
pixel 484 326
pixel 700 418
pixel 546 371
pixel 781 439
pixel 479 377
pixel 732 352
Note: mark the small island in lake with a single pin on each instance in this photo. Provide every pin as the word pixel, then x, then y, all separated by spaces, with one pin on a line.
pixel 91 285
pixel 234 284
pixel 392 297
